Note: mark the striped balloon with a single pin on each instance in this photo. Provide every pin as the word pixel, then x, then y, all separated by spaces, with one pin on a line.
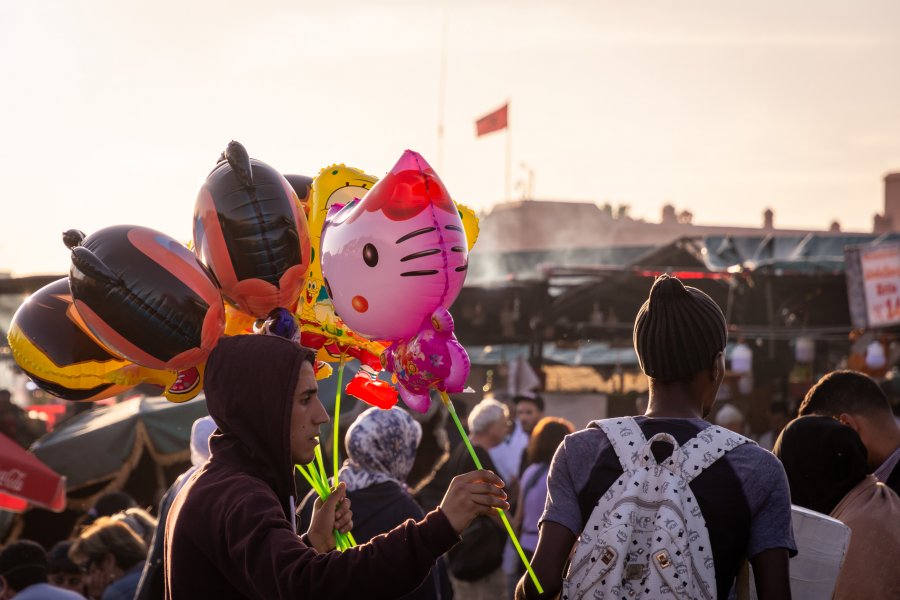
pixel 145 296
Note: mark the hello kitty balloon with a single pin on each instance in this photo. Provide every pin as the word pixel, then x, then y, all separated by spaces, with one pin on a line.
pixel 393 264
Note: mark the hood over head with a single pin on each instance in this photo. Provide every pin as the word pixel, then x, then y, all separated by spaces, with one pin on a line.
pixel 249 383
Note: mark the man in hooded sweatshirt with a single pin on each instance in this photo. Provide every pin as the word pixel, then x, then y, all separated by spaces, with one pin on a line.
pixel 230 532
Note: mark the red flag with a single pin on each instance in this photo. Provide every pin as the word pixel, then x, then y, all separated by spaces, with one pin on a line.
pixel 495 121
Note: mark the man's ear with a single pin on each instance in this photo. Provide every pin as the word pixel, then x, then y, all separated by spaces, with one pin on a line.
pixel 717 370
pixel 850 420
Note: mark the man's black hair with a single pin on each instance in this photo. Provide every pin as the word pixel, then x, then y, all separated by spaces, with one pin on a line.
pixel 23 563
pixel 112 502
pixel 534 399
pixel 849 392
pixel 58 560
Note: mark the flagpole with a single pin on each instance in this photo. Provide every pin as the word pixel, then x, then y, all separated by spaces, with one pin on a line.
pixel 508 153
pixel 442 90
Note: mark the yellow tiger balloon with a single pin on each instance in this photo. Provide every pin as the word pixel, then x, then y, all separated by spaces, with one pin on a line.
pixel 51 344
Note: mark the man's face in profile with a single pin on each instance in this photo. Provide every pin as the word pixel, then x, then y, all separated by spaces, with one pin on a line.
pixel 528 415
pixel 307 415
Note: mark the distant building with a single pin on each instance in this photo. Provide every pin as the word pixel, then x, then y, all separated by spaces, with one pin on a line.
pixel 890 221
pixel 536 225
pixel 526 239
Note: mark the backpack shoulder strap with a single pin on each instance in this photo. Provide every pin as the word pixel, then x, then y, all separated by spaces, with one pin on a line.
pixel 626 438
pixel 532 480
pixel 707 447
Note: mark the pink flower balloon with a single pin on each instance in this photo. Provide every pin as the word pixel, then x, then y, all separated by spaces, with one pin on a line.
pixel 393 263
pixel 431 358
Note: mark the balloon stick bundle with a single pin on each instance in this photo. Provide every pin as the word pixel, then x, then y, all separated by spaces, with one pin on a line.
pixel 393 262
pixel 314 473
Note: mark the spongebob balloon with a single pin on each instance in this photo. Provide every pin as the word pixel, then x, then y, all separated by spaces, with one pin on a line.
pixel 336 184
pixel 394 261
pixel 321 328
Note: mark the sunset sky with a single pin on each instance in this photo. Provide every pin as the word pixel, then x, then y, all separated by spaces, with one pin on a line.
pixel 114 111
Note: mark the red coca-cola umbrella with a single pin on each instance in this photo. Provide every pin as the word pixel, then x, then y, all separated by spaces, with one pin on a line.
pixel 25 480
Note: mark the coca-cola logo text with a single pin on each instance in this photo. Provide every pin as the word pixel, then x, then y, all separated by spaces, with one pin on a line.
pixel 13 479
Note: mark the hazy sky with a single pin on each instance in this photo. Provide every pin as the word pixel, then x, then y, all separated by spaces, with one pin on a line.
pixel 115 111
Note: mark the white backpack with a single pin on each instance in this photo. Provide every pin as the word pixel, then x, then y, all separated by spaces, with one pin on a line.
pixel 646 538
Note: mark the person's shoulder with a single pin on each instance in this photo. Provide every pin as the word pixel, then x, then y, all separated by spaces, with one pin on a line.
pixel 591 434
pixel 584 444
pixel 45 591
pixel 408 505
pixel 757 457
pixel 124 587
pixel 212 494
pixel 463 460
pixel 217 479
pixel 759 471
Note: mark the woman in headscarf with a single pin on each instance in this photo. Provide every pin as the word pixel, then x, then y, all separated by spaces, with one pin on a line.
pixel 827 471
pixel 381 447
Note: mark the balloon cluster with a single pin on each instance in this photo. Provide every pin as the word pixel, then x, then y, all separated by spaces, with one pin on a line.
pixel 353 267
pixel 393 262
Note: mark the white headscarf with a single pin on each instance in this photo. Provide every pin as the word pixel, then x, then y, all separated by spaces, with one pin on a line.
pixel 200 432
pixel 381 446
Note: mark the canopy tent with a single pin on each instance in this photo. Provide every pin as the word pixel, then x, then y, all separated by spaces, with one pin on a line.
pixel 585 353
pixel 809 253
pixel 26 481
pixel 98 450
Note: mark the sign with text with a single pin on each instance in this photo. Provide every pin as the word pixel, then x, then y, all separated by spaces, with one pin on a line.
pixel 879 271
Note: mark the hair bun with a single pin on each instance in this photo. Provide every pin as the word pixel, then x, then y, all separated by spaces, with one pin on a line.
pixel 678 331
pixel 667 288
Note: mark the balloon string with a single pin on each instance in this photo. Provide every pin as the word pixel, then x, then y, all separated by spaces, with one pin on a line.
pixel 462 432
pixel 321 464
pixel 312 483
pixel 337 418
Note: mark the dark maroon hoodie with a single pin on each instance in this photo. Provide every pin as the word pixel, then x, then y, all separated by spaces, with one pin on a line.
pixel 228 534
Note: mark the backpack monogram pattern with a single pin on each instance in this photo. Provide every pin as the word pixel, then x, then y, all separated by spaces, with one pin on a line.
pixel 647 538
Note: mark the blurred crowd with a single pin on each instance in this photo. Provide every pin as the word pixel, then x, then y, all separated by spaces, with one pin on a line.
pixel 837 455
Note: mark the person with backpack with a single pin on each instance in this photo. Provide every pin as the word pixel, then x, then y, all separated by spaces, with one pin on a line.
pixel 665 505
